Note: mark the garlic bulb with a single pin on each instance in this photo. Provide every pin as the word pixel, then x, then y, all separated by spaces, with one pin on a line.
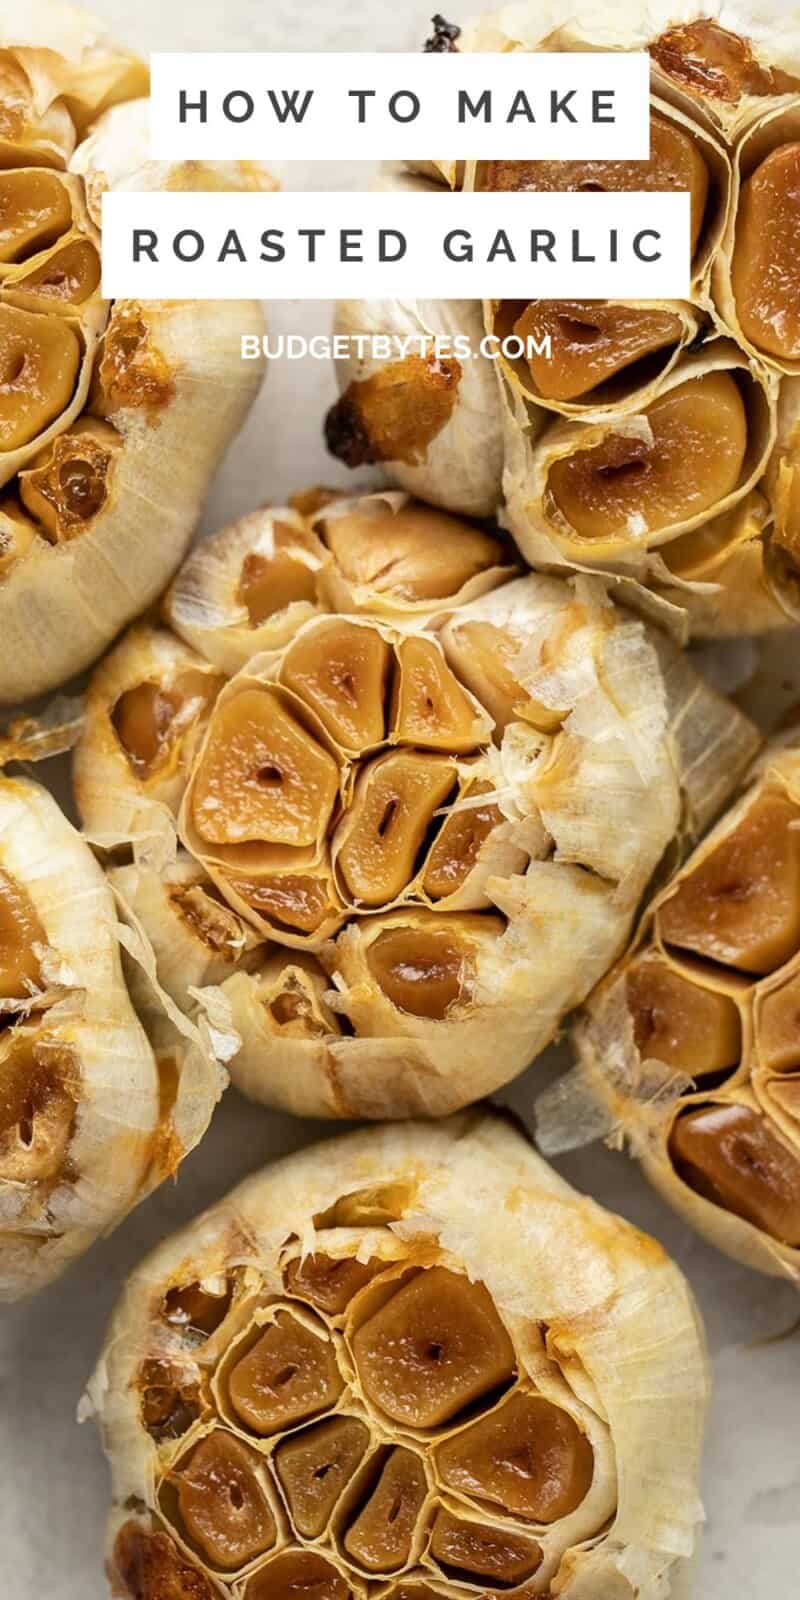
pixel 106 412
pixel 689 1046
pixel 649 444
pixel 101 1097
pixel 411 1363
pixel 394 800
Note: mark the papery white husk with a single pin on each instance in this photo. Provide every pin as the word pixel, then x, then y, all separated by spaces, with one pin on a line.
pixel 134 1117
pixel 623 1337
pixel 612 1091
pixel 185 393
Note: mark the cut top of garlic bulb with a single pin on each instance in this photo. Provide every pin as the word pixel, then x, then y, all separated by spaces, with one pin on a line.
pixel 395 796
pixel 105 1084
pixel 689 1046
pixel 408 1363
pixel 105 411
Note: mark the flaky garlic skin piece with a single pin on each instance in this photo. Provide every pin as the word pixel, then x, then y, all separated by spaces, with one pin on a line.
pixel 623 379
pixel 113 418
pixel 406 1363
pixel 100 1098
pixel 689 1051
pixel 399 801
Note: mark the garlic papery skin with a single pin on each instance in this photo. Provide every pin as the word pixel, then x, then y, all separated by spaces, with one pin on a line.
pixel 97 1106
pixel 725 92
pixel 520 1315
pixel 108 411
pixel 687 1053
pixel 398 802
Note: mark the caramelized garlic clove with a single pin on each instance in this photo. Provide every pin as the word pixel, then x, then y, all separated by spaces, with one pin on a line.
pixel 479 1551
pixel 764 270
pixel 709 61
pixel 778 1026
pixel 413 554
pixel 169 1401
pixel 731 1156
pixel 740 905
pixel 301 902
pixel 198 1309
pixel 341 671
pixel 691 461
pixel 262 776
pixel 69 275
pixel 223 1506
pixel 591 341
pixel 68 485
pixel 381 1537
pixel 328 1282
pixel 457 848
pixel 486 659
pixel 297 1575
pixel 435 1347
pixel 674 163
pixel 676 1020
pixel 40 360
pixel 151 718
pixel 269 584
pixel 528 1456
pixel 35 209
pixel 18 535
pixel 20 931
pixel 314 1468
pixel 426 968
pixel 38 1104
pixel 430 707
pixel 149 1566
pixel 289 1375
pixel 395 801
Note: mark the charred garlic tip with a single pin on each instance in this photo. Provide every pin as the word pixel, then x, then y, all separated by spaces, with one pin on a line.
pixel 697 1029
pixel 96 401
pixel 363 781
pixel 315 1393
pixel 655 441
pixel 80 1144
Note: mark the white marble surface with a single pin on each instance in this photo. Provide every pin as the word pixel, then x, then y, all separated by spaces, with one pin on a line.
pixel 54 1489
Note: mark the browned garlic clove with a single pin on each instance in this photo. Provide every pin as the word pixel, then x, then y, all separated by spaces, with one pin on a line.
pixel 20 932
pixel 395 802
pixel 222 1504
pixel 314 1468
pixel 380 1539
pixel 482 1553
pixel 688 459
pixel 39 363
pixel 341 671
pixel 677 1020
pixel 436 1346
pixel 729 1154
pixel 289 1375
pixel 326 1282
pixel 528 1456
pixel 590 342
pixel 298 1575
pixel 764 271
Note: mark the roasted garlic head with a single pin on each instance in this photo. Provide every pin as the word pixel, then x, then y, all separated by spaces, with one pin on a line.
pixel 654 440
pixel 407 1363
pixel 691 1044
pixel 104 1084
pixel 418 798
pixel 113 418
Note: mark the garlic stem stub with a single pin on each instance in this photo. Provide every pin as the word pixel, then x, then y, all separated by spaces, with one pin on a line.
pixel 104 1086
pixel 623 447
pixel 690 1043
pixel 404 1363
pixel 106 410
pixel 381 796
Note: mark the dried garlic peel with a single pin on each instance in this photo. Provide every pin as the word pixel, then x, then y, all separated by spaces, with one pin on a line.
pixel 416 823
pixel 105 1085
pixel 689 1048
pixel 113 419
pixel 405 1363
pixel 659 442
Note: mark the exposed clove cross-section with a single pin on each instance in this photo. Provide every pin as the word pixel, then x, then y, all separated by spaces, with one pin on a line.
pixel 341 671
pixel 150 719
pixel 730 1155
pixel 528 1456
pixel 289 1375
pixel 483 1551
pixel 262 776
pixel 297 1575
pixel 327 1282
pixel 39 363
pixel 686 460
pixel 778 1026
pixel 424 967
pixel 434 1348
pixel 270 583
pixel 396 799
pixel 591 341
pixel 38 1094
pixel 765 268
pixel 20 931
pixel 458 845
pixel 678 1021
pixel 314 1468
pixel 430 708
pixel 381 1537
pixel 35 209
pixel 741 904
pixel 414 553
pixel 223 1506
